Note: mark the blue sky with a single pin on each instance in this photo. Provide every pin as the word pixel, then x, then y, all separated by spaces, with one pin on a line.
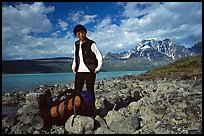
pixel 45 29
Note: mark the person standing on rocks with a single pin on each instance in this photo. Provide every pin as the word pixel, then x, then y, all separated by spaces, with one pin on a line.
pixel 87 62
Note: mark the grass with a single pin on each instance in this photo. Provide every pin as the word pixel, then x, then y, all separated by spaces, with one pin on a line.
pixel 184 68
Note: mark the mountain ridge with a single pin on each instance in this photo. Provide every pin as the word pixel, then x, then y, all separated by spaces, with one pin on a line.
pixel 149 54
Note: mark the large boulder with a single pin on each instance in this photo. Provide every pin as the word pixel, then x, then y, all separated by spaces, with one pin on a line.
pixel 81 125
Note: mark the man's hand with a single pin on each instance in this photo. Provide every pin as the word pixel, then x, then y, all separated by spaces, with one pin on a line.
pixel 74 70
pixel 96 71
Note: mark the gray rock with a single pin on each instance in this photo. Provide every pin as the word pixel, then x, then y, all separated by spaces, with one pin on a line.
pixel 174 107
pixel 81 124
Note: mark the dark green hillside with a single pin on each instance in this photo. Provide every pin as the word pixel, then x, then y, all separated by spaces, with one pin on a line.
pixel 184 68
pixel 35 66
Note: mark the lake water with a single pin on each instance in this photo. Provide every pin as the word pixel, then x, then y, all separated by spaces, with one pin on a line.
pixel 17 82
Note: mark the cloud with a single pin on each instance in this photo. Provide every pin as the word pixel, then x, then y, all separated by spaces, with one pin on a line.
pixel 111 37
pixel 27 17
pixel 75 16
pixel 32 47
pixel 28 33
pixel 79 17
pixel 139 9
pixel 167 21
pixel 87 19
pixel 63 25
pixel 103 24
pixel 181 22
pixel 19 25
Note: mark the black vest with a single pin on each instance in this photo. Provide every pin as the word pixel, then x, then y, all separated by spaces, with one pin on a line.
pixel 89 57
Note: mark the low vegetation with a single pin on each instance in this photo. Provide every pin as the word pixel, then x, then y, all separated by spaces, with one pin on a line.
pixel 184 68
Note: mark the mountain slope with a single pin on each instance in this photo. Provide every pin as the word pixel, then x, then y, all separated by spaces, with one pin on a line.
pixel 153 50
pixel 148 54
pixel 184 68
pixel 53 65
pixel 197 48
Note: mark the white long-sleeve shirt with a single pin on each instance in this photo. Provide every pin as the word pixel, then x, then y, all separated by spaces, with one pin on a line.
pixel 82 66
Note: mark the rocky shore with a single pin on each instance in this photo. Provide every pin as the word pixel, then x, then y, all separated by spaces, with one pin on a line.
pixel 124 105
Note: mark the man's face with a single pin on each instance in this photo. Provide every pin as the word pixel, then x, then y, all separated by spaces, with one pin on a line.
pixel 81 35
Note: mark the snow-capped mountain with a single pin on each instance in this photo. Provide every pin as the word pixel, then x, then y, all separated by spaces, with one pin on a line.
pixel 119 56
pixel 151 48
pixel 150 53
pixel 167 47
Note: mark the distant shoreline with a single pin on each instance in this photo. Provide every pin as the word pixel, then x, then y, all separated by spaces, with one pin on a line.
pixel 70 72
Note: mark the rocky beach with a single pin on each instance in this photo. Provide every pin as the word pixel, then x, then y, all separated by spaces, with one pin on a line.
pixel 124 105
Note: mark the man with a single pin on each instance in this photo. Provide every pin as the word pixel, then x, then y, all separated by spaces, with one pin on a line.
pixel 87 62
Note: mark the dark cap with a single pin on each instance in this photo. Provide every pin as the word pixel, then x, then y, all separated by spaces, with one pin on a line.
pixel 79 28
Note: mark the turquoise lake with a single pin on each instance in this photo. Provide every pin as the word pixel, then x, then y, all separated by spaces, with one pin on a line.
pixel 23 82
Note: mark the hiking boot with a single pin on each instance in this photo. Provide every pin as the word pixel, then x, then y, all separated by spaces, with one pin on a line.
pixel 93 113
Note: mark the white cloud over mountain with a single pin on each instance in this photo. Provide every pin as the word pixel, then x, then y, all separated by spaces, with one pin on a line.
pixel 28 32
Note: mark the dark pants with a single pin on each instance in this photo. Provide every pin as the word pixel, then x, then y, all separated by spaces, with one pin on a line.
pixel 89 78
pixel 81 78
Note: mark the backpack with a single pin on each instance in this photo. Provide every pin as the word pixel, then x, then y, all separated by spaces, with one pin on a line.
pixel 57 112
